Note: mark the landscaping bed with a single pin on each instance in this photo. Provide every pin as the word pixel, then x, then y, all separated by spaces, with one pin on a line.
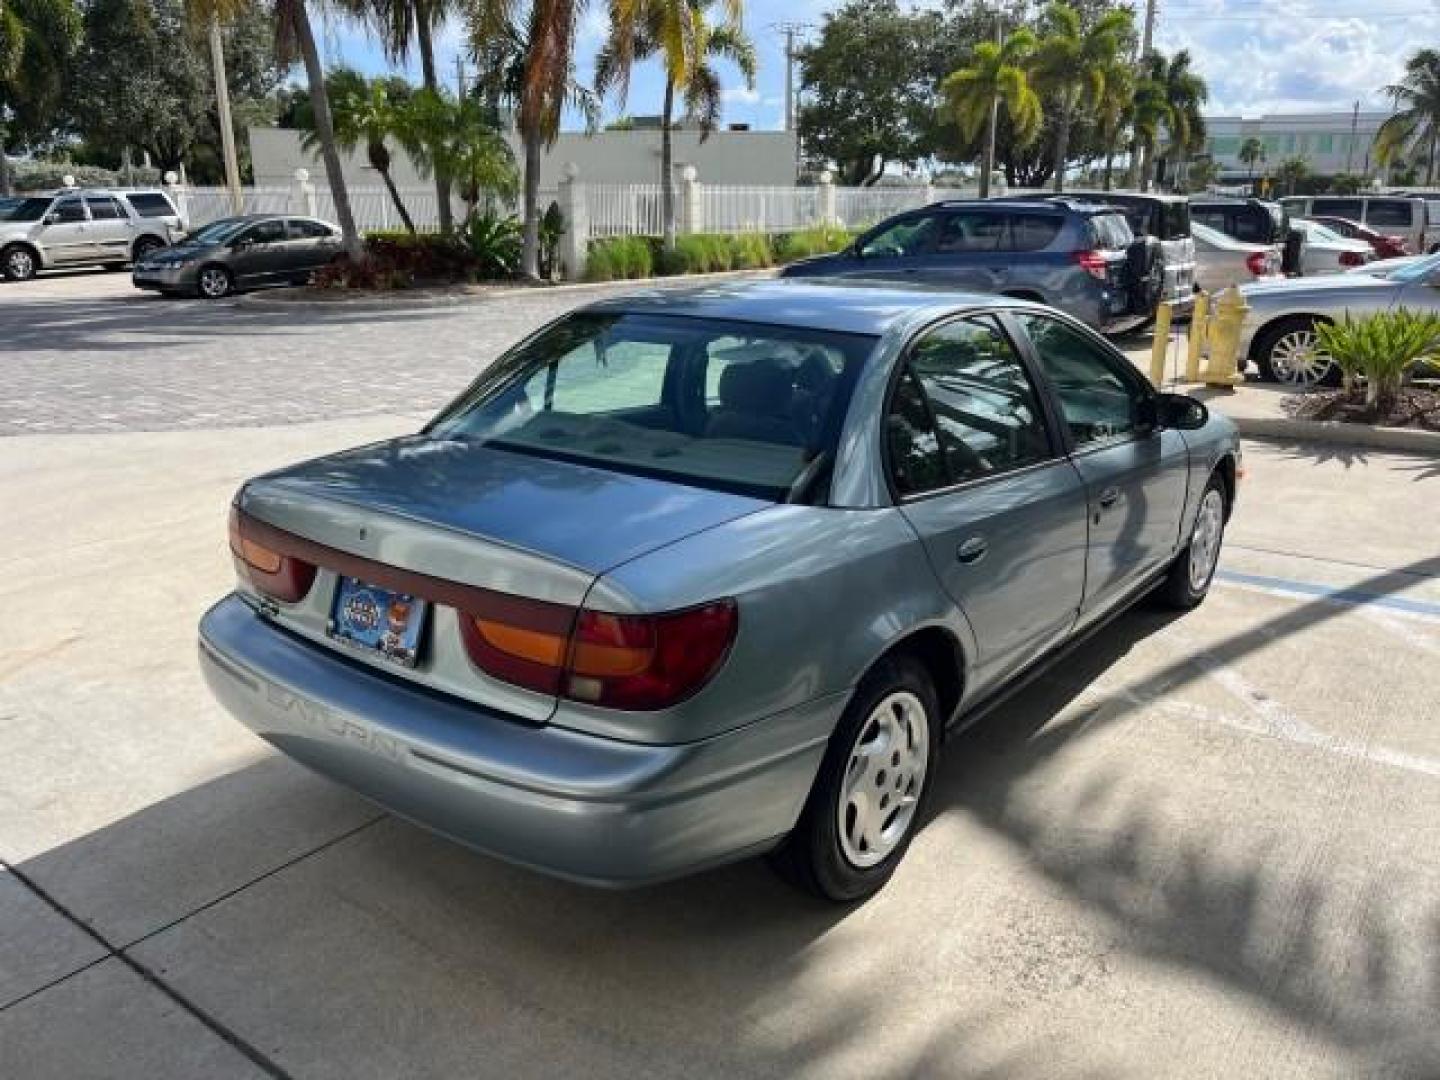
pixel 1416 407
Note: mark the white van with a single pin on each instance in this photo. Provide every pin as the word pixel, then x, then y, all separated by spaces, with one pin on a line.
pixel 1392 215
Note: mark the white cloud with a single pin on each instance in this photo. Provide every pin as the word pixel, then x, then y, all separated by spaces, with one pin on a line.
pixel 741 94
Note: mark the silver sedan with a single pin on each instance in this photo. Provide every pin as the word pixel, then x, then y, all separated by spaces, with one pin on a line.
pixel 1222 261
pixel 1327 252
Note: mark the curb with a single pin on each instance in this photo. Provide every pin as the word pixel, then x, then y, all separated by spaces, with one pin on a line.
pixel 419 300
pixel 1338 433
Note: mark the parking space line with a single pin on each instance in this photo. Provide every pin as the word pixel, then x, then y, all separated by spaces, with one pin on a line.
pixel 1287 587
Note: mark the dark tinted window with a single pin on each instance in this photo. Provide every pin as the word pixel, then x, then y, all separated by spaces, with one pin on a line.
pixel 150 204
pixel 971 230
pixel 1389 213
pixel 29 210
pixel 916 463
pixel 67 210
pixel 908 236
pixel 308 230
pixel 1033 232
pixel 986 412
pixel 104 208
pixel 1213 216
pixel 267 232
pixel 1177 221
pixel 1252 224
pixel 1099 391
pixel 1346 208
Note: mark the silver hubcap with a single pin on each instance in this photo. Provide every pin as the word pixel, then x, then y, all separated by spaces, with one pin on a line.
pixel 1297 358
pixel 213 282
pixel 883 779
pixel 19 264
pixel 1205 541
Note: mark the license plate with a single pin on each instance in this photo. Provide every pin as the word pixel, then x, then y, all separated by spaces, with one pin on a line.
pixel 375 620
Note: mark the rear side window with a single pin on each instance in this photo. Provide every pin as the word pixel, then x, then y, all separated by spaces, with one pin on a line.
pixel 1351 209
pixel 68 210
pixel 1033 232
pixel 300 229
pixel 150 204
pixel 104 208
pixel 1389 213
pixel 1110 232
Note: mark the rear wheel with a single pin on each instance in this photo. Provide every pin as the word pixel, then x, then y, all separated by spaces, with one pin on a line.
pixel 214 282
pixel 1289 352
pixel 144 247
pixel 19 263
pixel 866 803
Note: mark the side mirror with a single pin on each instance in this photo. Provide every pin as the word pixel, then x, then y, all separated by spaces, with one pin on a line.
pixel 1180 411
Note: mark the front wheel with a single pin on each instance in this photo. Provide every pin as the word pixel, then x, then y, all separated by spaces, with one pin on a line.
pixel 866 803
pixel 1289 353
pixel 1188 581
pixel 214 282
pixel 19 263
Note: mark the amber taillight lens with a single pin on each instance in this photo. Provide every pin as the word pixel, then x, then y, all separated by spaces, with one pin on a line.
pixel 280 577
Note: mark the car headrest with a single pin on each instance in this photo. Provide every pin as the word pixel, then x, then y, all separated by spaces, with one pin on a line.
pixel 759 388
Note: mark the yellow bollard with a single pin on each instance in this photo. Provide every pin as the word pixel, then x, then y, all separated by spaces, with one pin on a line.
pixel 1161 345
pixel 1222 369
pixel 1199 336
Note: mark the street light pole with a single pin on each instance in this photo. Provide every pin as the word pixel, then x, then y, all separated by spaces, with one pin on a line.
pixel 227 128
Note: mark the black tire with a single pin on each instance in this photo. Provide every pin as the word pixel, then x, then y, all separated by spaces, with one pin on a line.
pixel 1144 274
pixel 1181 589
pixel 1272 338
pixel 19 262
pixel 144 246
pixel 813 856
pixel 214 282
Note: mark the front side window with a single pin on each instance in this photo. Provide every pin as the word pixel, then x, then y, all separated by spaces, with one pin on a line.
pixel 1100 393
pixel 912 235
pixel 733 406
pixel 67 211
pixel 984 413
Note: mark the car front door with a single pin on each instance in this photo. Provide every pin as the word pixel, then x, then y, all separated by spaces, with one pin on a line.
pixel 1000 510
pixel 65 232
pixel 259 254
pixel 893 251
pixel 1135 473
pixel 110 229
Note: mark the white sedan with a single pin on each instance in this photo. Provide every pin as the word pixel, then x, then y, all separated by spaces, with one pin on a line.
pixel 1222 261
pixel 1327 252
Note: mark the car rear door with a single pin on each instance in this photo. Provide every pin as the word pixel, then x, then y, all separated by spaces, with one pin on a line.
pixel 971 456
pixel 110 229
pixel 310 245
pixel 1135 475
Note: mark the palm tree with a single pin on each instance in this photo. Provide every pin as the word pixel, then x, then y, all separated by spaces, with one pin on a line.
pixel 1112 111
pixel 1290 172
pixel 1185 95
pixel 540 81
pixel 1072 62
pixel 1414 127
pixel 460 137
pixel 400 25
pixel 373 113
pixel 1251 151
pixel 1146 116
pixel 678 32
pixel 995 78
pixel 37 39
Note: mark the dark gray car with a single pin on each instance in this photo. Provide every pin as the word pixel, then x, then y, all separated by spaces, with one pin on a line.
pixel 252 251
pixel 1078 258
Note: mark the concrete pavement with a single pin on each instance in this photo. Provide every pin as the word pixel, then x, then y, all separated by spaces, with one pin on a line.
pixel 1204 846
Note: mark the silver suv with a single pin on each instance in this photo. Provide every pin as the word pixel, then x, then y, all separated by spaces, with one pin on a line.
pixel 71 227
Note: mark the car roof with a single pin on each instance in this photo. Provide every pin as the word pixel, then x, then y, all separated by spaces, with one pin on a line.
pixel 1090 197
pixel 1028 204
pixel 851 306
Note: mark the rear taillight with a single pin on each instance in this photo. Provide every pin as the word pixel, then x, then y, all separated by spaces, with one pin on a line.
pixel 639 662
pixel 1093 263
pixel 280 577
pixel 1398 243
pixel 1259 263
pixel 1352 258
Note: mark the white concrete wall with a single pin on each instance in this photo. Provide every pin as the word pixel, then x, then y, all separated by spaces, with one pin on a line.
pixel 1322 139
pixel 607 157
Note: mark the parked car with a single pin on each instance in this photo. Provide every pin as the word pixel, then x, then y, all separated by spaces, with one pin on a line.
pixel 1278 334
pixel 253 251
pixel 1328 252
pixel 1384 247
pixel 1256 221
pixel 1222 261
pixel 1385 267
pixel 1394 215
pixel 1165 219
pixel 692 575
pixel 78 226
pixel 9 203
pixel 1082 259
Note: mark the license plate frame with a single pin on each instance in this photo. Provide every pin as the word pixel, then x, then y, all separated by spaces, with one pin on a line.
pixel 375 621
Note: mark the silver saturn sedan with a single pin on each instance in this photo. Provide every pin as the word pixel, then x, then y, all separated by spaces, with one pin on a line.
pixel 688 576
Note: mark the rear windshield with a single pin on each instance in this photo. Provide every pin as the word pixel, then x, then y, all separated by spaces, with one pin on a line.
pixel 735 406
pixel 150 204
pixel 1390 213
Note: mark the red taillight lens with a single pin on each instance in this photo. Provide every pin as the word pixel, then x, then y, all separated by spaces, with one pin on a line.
pixel 1399 243
pixel 1093 263
pixel 1352 258
pixel 1258 263
pixel 639 662
pixel 280 577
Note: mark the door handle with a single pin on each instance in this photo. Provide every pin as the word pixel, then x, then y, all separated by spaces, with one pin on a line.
pixel 972 550
pixel 1109 497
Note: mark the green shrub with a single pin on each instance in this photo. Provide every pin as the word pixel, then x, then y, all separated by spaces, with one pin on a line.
pixel 1384 348
pixel 493 244
pixel 620 258
pixel 820 240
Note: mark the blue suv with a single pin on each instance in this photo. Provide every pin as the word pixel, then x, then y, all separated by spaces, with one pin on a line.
pixel 1078 257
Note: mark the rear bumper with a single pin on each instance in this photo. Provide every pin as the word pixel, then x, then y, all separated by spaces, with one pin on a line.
pixel 591 809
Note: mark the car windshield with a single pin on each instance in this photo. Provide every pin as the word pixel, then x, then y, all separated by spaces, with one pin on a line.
pixel 218 232
pixel 740 407
pixel 1416 271
pixel 29 209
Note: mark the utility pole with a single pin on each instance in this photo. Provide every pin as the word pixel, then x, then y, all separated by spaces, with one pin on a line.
pixel 460 76
pixel 1354 127
pixel 1147 39
pixel 227 127
pixel 791 30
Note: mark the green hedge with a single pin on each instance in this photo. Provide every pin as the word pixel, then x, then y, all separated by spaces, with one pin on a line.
pixel 619 258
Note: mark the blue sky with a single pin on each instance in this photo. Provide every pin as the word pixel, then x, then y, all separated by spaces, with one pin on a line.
pixel 1257 55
